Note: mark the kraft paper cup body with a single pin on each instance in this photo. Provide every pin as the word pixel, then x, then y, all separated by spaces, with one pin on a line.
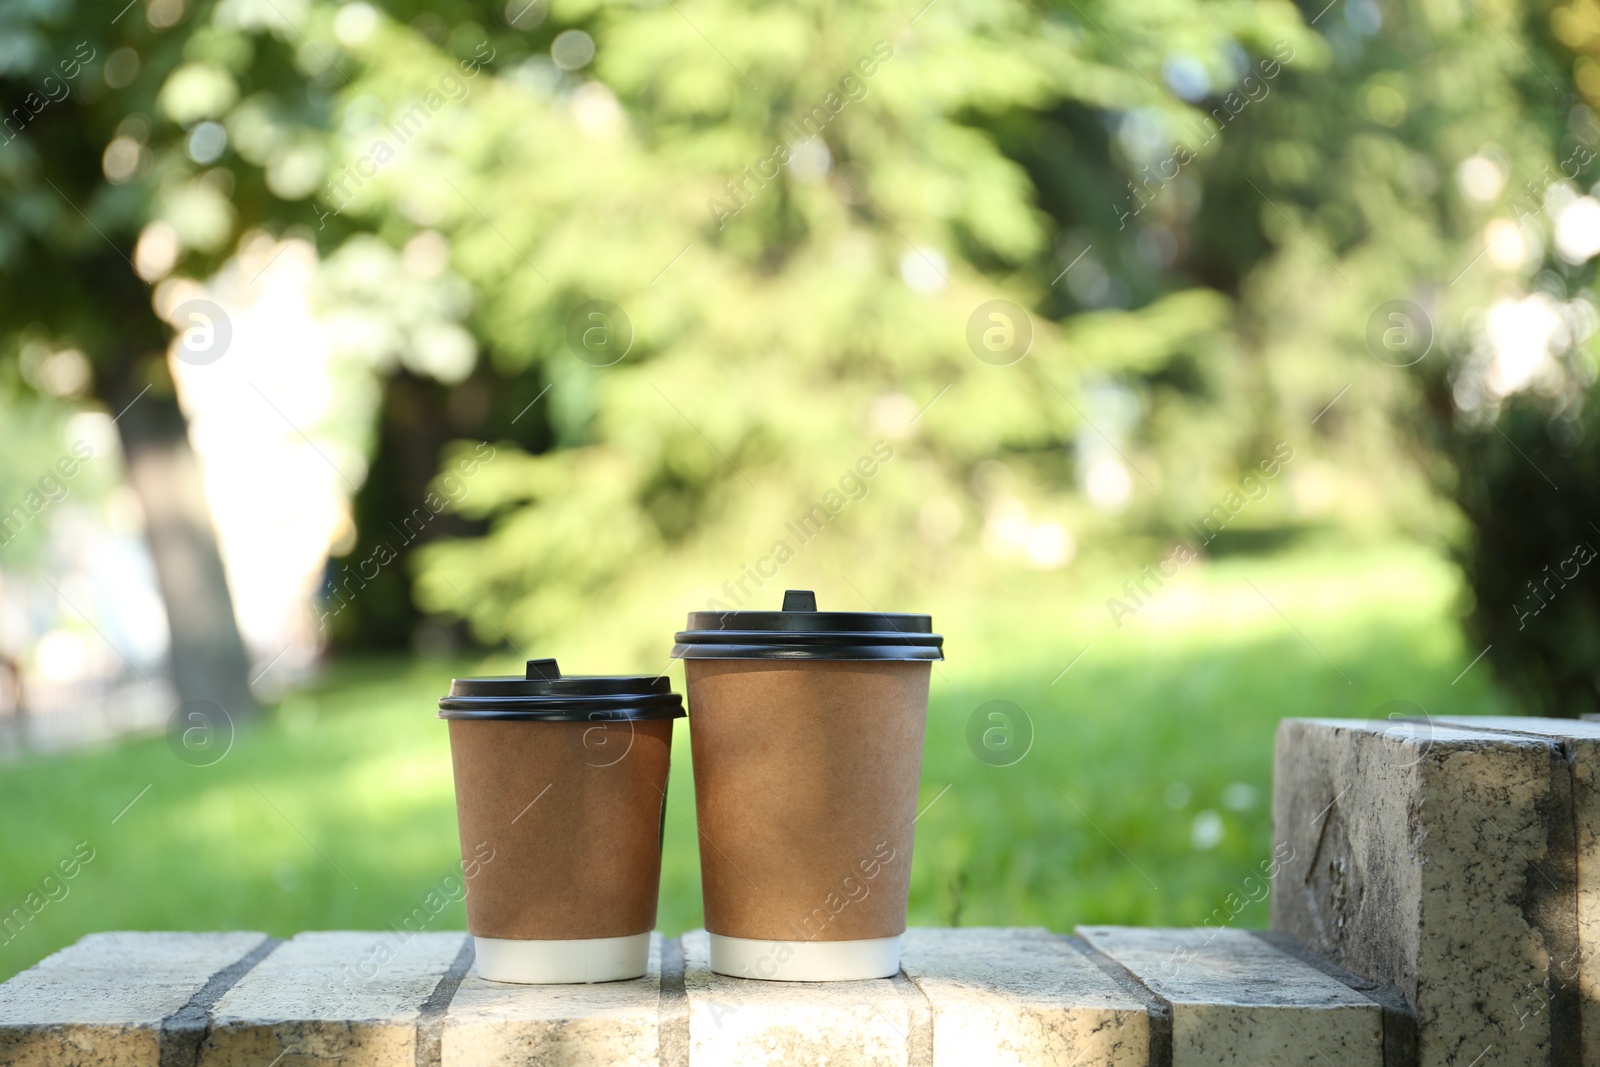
pixel 806 779
pixel 561 826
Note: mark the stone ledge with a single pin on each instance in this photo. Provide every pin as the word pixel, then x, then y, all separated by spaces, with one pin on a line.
pixel 965 997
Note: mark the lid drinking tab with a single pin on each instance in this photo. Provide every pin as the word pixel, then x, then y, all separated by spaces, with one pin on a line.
pixel 799 600
pixel 544 670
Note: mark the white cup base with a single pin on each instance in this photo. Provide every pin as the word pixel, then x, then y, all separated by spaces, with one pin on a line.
pixel 596 959
pixel 805 961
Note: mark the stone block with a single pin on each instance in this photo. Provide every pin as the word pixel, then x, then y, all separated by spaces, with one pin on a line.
pixel 754 1023
pixel 1579 742
pixel 1023 996
pixel 103 1001
pixel 491 1024
pixel 357 998
pixel 1438 860
pixel 1234 999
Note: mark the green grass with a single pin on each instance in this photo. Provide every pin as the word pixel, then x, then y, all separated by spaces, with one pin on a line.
pixel 336 810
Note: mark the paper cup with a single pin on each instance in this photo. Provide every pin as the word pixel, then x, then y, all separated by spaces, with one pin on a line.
pixel 560 800
pixel 806 732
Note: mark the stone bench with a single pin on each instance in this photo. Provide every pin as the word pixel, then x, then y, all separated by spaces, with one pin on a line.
pixel 1435 901
pixel 1112 995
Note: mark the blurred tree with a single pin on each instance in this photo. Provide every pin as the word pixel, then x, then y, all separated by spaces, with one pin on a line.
pixel 1513 409
pixel 1430 278
pixel 1530 497
pixel 750 252
pixel 1415 298
pixel 1253 227
pixel 139 147
pixel 92 157
pixel 418 418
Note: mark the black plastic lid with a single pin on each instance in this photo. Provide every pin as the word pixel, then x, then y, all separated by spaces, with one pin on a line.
pixel 800 631
pixel 542 695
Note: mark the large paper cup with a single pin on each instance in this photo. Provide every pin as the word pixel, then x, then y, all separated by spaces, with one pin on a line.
pixel 806 731
pixel 560 798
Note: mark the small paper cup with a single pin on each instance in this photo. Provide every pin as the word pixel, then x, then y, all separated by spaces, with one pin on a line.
pixel 560 800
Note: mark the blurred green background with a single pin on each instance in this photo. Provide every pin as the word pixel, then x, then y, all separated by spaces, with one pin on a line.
pixel 1217 362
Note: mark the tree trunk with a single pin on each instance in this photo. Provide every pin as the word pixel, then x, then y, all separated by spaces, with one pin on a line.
pixel 208 655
